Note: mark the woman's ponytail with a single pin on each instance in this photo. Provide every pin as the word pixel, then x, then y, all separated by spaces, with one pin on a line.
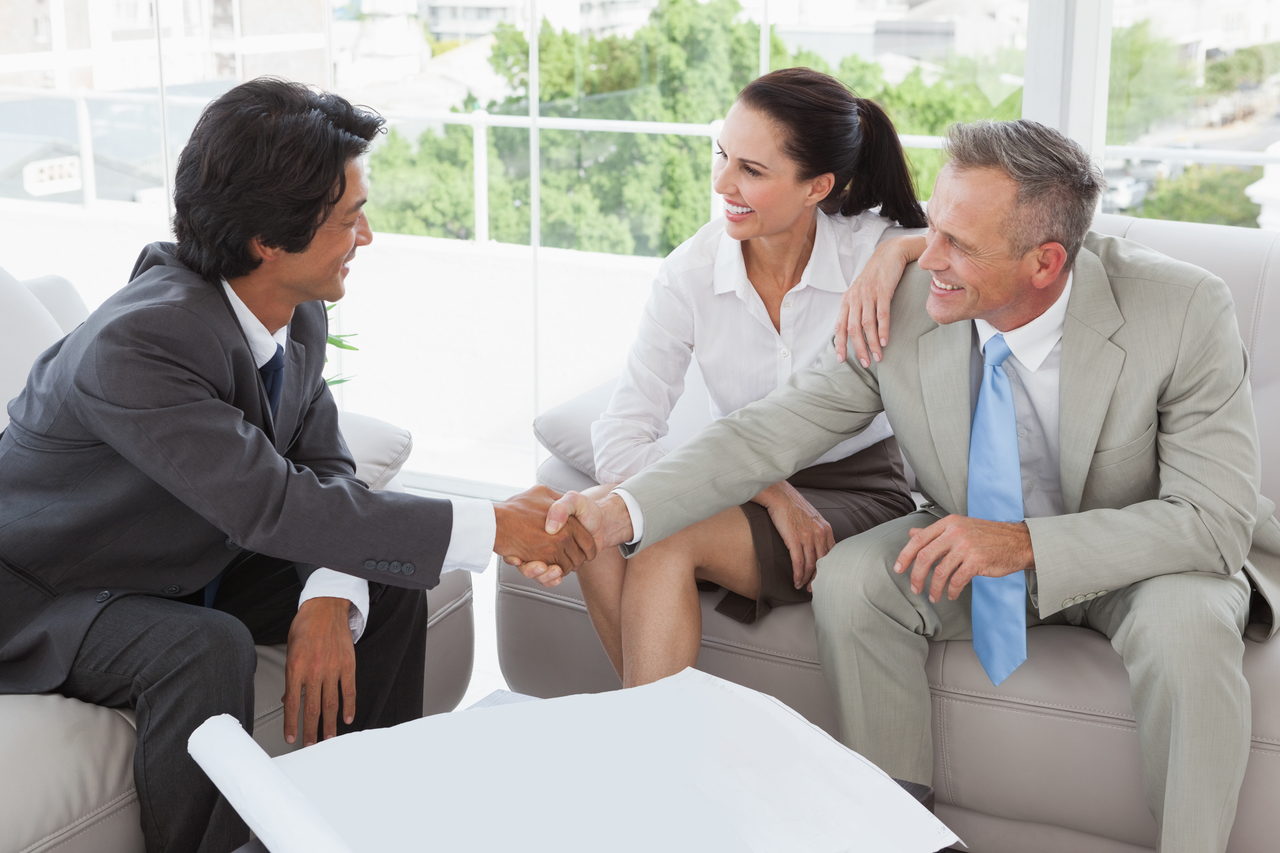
pixel 880 173
pixel 826 129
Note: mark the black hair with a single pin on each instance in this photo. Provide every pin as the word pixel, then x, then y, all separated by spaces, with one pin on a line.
pixel 826 128
pixel 267 159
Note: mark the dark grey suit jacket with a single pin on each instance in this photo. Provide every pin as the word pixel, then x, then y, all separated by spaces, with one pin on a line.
pixel 142 454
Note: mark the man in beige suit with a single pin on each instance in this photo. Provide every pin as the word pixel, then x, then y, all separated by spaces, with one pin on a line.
pixel 1136 448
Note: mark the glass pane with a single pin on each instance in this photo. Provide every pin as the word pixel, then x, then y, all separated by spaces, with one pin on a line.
pixel 441 303
pixel 80 144
pixel 928 64
pixel 1195 75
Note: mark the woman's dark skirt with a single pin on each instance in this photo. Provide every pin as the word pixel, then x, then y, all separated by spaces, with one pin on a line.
pixel 853 494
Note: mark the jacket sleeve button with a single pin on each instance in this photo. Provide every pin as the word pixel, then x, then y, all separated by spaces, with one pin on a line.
pixel 395 567
pixel 383 566
pixel 370 565
pixel 407 569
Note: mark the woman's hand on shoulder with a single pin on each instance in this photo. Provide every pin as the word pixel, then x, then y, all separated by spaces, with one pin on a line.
pixel 864 309
pixel 807 534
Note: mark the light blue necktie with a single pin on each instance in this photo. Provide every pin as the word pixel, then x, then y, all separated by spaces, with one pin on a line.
pixel 995 493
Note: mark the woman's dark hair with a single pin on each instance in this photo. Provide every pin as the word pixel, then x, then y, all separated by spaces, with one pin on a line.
pixel 268 159
pixel 826 129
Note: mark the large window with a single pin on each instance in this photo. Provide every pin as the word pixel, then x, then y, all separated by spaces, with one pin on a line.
pixel 528 188
pixel 1203 78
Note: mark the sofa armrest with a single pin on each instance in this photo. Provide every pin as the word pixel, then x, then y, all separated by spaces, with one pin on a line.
pixel 379 448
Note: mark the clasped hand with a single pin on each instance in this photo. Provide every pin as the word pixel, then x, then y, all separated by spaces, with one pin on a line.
pixel 958 549
pixel 526 539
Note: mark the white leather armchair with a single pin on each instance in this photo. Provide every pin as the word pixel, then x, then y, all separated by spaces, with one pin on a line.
pixel 1047 761
pixel 66 767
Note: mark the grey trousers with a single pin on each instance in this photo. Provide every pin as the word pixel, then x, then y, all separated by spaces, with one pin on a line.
pixel 176 664
pixel 1180 636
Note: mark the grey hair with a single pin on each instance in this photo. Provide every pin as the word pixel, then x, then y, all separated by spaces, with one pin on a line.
pixel 1058 185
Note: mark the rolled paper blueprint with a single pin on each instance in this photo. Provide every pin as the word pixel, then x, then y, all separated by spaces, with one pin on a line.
pixel 279 814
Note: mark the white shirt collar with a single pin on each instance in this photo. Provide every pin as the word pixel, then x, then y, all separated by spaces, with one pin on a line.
pixel 823 270
pixel 1031 343
pixel 261 342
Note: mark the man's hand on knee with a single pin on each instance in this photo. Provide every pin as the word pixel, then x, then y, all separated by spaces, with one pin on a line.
pixel 321 663
pixel 959 548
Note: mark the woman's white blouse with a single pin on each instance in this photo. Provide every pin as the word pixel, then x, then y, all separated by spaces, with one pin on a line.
pixel 703 305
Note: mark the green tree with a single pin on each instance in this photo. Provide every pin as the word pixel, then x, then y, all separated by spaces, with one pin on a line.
pixel 634 193
pixel 1213 194
pixel 1248 66
pixel 1149 82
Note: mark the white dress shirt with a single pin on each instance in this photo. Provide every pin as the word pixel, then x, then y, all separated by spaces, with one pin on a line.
pixel 703 306
pixel 1034 371
pixel 474 524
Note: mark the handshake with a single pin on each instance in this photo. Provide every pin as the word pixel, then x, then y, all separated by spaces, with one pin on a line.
pixel 549 535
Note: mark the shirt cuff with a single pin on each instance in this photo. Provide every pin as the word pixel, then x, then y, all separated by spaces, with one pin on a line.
pixel 475 527
pixel 326 583
pixel 637 517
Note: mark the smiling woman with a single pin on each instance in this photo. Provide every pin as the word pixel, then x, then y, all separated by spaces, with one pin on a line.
pixel 753 296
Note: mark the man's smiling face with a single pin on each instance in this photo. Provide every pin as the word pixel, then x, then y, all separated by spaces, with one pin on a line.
pixel 976 272
pixel 320 270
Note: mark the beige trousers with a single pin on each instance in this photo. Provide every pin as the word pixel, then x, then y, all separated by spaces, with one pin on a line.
pixel 1180 637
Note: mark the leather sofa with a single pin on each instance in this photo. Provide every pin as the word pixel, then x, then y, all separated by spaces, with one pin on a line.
pixel 1047 761
pixel 66 767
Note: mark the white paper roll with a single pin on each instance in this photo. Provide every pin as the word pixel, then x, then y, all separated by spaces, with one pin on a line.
pixel 279 814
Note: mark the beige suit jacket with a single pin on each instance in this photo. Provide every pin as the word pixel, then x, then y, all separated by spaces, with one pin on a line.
pixel 1158 443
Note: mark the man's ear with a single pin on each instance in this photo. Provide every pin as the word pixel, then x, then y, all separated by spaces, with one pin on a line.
pixel 820 188
pixel 263 252
pixel 1049 259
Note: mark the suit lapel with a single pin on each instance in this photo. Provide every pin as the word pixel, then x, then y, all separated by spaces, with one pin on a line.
pixel 264 404
pixel 286 420
pixel 944 379
pixel 1091 366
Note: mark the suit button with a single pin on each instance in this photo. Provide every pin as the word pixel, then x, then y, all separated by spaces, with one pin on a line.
pixel 371 564
pixel 231 546
pixel 102 596
pixel 1068 603
pixel 396 567
pixel 172 589
pixel 383 566
pixel 407 569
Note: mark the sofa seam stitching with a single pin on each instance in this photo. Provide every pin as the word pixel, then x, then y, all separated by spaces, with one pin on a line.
pixel 562 456
pixel 536 595
pixel 394 465
pixel 942 690
pixel 1256 320
pixel 1034 714
pixel 776 662
pixel 946 755
pixel 115 814
pixel 452 607
pixel 131 792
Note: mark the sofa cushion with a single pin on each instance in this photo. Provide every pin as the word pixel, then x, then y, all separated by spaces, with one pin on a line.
pixel 26 330
pixel 61 299
pixel 379 448
pixel 565 430
pixel 1029 750
pixel 75 782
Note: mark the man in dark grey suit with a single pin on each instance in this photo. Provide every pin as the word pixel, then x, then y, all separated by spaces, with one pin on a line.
pixel 173 474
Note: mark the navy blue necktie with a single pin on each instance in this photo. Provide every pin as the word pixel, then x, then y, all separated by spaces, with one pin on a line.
pixel 272 374
pixel 273 378
pixel 999 608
